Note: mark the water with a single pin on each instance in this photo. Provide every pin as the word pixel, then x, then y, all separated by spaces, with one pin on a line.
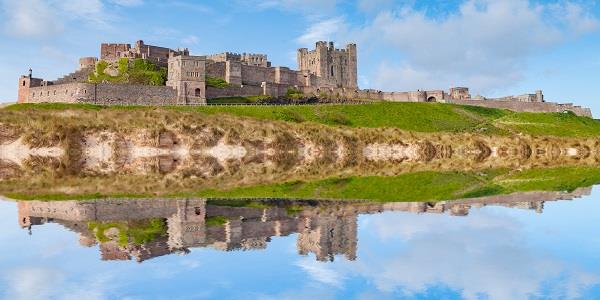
pixel 512 247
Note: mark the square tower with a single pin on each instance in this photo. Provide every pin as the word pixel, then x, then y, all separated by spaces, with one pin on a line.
pixel 25 83
pixel 335 67
pixel 187 74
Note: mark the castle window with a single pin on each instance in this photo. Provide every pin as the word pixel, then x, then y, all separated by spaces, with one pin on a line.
pixel 66 92
pixel 54 93
pixel 23 82
pixel 85 91
pixel 332 71
pixel 197 93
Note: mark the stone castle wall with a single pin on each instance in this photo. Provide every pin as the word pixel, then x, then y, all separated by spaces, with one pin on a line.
pixel 534 107
pixel 257 75
pixel 110 94
pixel 65 93
pixel 121 94
pixel 215 70
pixel 233 91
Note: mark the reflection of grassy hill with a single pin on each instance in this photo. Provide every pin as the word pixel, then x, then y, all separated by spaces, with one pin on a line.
pixel 424 186
pixel 420 186
pixel 420 117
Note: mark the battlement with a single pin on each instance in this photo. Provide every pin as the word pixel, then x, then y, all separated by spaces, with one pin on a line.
pixel 250 59
pixel 335 67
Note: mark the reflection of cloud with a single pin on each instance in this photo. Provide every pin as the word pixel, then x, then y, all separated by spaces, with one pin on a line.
pixel 321 272
pixel 484 254
pixel 49 283
pixel 32 283
pixel 307 292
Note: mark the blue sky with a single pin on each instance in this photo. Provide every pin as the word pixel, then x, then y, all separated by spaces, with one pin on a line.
pixel 494 253
pixel 494 47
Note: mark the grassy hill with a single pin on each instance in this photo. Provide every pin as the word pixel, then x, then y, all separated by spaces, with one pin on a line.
pixel 419 117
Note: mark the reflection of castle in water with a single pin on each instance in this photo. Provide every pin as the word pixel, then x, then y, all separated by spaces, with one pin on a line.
pixel 325 228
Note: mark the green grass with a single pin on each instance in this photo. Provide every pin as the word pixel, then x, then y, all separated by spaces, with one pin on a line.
pixel 556 124
pixel 419 186
pixel 138 232
pixel 238 100
pixel 555 179
pixel 216 82
pixel 216 221
pixel 137 71
pixel 419 117
pixel 422 186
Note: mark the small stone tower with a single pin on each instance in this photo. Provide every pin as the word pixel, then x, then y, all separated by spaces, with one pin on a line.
pixel 335 67
pixel 26 82
pixel 187 74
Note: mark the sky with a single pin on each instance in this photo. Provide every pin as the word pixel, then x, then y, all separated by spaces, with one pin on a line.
pixel 494 253
pixel 495 47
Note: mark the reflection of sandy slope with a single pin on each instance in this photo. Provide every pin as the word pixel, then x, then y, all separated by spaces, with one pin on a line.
pixel 325 228
pixel 229 153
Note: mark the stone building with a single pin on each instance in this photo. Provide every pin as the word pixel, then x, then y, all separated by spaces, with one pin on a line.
pixel 156 54
pixel 337 67
pixel 186 74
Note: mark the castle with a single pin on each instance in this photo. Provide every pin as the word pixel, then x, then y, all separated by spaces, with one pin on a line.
pixel 325 73
pixel 324 228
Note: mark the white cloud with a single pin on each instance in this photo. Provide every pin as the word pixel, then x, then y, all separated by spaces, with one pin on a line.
pixel 32 283
pixel 37 18
pixel 325 30
pixel 321 272
pixel 30 18
pixel 49 283
pixel 483 256
pixel 128 2
pixel 485 44
pixel 190 40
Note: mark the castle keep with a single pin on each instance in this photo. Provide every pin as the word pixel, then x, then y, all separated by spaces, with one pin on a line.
pixel 325 73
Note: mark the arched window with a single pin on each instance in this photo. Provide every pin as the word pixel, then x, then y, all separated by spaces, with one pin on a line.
pixel 197 93
pixel 331 71
pixel 23 82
